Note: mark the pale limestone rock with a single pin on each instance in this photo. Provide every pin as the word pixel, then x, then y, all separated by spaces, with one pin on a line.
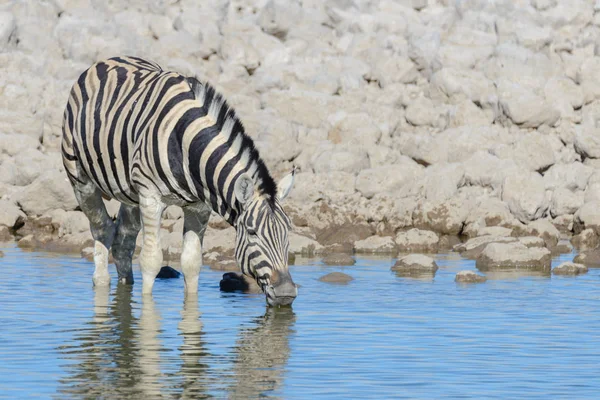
pixel 465 47
pixel 7 28
pixel 525 195
pixel 565 201
pixel 532 241
pixel 588 217
pixel 498 256
pixel 587 239
pixel 472 84
pixel 469 277
pixel 525 108
pixel 487 170
pixel 417 240
pixel 499 231
pixel 415 265
pixel 441 181
pixel 387 179
pixel 303 245
pixel 446 218
pixel 543 228
pixel 330 159
pixel 532 151
pixel 10 214
pixel 375 245
pixel 573 176
pixel 353 129
pixel 55 190
pixel 422 112
pixel 473 247
pixel 568 268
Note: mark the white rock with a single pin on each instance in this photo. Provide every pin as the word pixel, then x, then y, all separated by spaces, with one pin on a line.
pixel 7 27
pixel 10 214
pixel 50 191
pixel 514 255
pixel 353 129
pixel 568 268
pixel 422 112
pixel 525 195
pixel 473 84
pixel 565 201
pixel 442 181
pixel 337 159
pixel 573 176
pixel 69 222
pixel 525 108
pixel 546 230
pixel 387 179
pixel 532 151
pixel 303 245
pixel 417 240
pixel 375 245
pixel 588 216
pixel 415 264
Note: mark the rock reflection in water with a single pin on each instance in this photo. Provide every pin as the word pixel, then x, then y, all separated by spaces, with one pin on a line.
pixel 262 353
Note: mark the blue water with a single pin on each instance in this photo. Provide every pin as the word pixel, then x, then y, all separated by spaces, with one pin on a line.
pixel 380 336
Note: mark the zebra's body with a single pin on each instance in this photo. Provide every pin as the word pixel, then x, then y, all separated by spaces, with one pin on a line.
pixel 149 138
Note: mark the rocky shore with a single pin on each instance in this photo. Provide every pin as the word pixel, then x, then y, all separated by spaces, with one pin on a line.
pixel 414 122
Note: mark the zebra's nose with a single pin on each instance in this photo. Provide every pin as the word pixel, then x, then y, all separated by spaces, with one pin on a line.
pixel 285 293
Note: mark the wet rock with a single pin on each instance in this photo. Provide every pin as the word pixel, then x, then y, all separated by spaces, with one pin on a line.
pixel 52 186
pixel 417 240
pixel 469 277
pixel 473 247
pixel 590 258
pixel 585 240
pixel 339 259
pixel 10 215
pixel 237 282
pixel 415 265
pixel 336 277
pixel 564 223
pixel 167 272
pixel 376 245
pixel 568 268
pixel 513 256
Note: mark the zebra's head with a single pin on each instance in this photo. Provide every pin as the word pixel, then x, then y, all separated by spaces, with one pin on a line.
pixel 262 239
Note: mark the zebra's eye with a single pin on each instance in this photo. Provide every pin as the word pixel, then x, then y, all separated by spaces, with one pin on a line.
pixel 251 232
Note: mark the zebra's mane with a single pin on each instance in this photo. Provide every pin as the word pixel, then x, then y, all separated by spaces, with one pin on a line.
pixel 216 106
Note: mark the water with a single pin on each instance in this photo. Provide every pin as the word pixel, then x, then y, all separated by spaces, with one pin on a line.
pixel 380 336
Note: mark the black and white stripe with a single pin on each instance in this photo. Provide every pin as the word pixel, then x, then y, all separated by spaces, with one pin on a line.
pixel 131 127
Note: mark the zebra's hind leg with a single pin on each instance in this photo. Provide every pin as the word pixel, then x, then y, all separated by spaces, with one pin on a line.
pixel 151 208
pixel 128 227
pixel 194 225
pixel 102 226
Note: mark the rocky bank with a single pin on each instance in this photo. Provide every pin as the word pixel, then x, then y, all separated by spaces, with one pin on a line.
pixel 413 121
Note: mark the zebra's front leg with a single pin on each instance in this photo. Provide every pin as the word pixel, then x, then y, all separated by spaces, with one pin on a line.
pixel 123 247
pixel 194 225
pixel 151 257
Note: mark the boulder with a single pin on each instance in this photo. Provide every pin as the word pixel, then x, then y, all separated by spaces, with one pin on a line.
pixel 417 240
pixel 339 259
pixel 525 195
pixel 303 245
pixel 532 241
pixel 499 256
pixel 543 228
pixel 447 217
pixel 336 277
pixel 569 268
pixel 415 265
pixel 573 176
pixel 469 277
pixel 565 201
pixel 589 258
pixel 532 151
pixel 10 215
pixel 376 245
pixel 5 234
pixel 524 107
pixel 473 247
pixel 588 217
pixel 55 190
pixel 388 178
pixel 587 239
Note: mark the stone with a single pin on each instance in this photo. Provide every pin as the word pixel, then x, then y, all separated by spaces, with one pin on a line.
pixel 544 229
pixel 388 178
pixel 569 268
pixel 499 256
pixel 237 282
pixel 587 239
pixel 456 83
pixel 588 217
pixel 339 259
pixel 55 190
pixel 573 176
pixel 473 247
pixel 441 181
pixel 168 272
pixel 523 107
pixel 353 129
pixel 532 151
pixel 525 195
pixel 375 245
pixel 499 231
pixel 415 265
pixel 417 240
pixel 565 201
pixel 532 241
pixel 469 277
pixel 336 277
pixel 10 215
pixel 5 234
pixel 1 254
pixel 590 258
pixel 447 217
pixel 303 245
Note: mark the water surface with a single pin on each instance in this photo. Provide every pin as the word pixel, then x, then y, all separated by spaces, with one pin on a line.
pixel 380 336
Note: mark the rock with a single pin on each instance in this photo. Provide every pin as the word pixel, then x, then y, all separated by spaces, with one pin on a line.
pixel 473 247
pixel 10 215
pixel 303 245
pixel 415 265
pixel 533 151
pixel 5 234
pixel 588 217
pixel 336 277
pixel 525 195
pixel 388 178
pixel 422 112
pixel 589 258
pixel 565 201
pixel 568 268
pixel 353 129
pixel 1 254
pixel 544 229
pixel 532 241
pixel 489 212
pixel 7 28
pixel 442 181
pixel 236 282
pixel 574 176
pixel 376 245
pixel 447 218
pixel 587 142
pixel 523 107
pixel 587 239
pixel 55 190
pixel 416 240
pixel 469 277
pixel 339 259
pixel 168 273
pixel 498 256
pixel 499 231
pixel 456 83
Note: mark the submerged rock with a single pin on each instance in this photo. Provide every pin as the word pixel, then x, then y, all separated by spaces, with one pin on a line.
pixel 568 268
pixel 168 273
pixel 415 265
pixel 236 282
pixel 513 256
pixel 339 259
pixel 590 259
pixel 469 277
pixel 336 277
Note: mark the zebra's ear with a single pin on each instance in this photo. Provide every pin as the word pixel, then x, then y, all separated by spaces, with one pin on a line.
pixel 244 188
pixel 285 184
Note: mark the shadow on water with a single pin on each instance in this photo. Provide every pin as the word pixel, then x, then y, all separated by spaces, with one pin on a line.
pixel 117 355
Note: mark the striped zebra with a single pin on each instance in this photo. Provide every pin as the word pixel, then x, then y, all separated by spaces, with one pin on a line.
pixel 151 138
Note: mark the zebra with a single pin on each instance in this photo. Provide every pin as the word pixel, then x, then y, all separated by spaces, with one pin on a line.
pixel 151 138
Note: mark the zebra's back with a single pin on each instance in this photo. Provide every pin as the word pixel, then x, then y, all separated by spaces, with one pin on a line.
pixel 120 113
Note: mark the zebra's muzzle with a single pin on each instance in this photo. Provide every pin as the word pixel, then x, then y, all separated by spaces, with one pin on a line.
pixel 282 294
